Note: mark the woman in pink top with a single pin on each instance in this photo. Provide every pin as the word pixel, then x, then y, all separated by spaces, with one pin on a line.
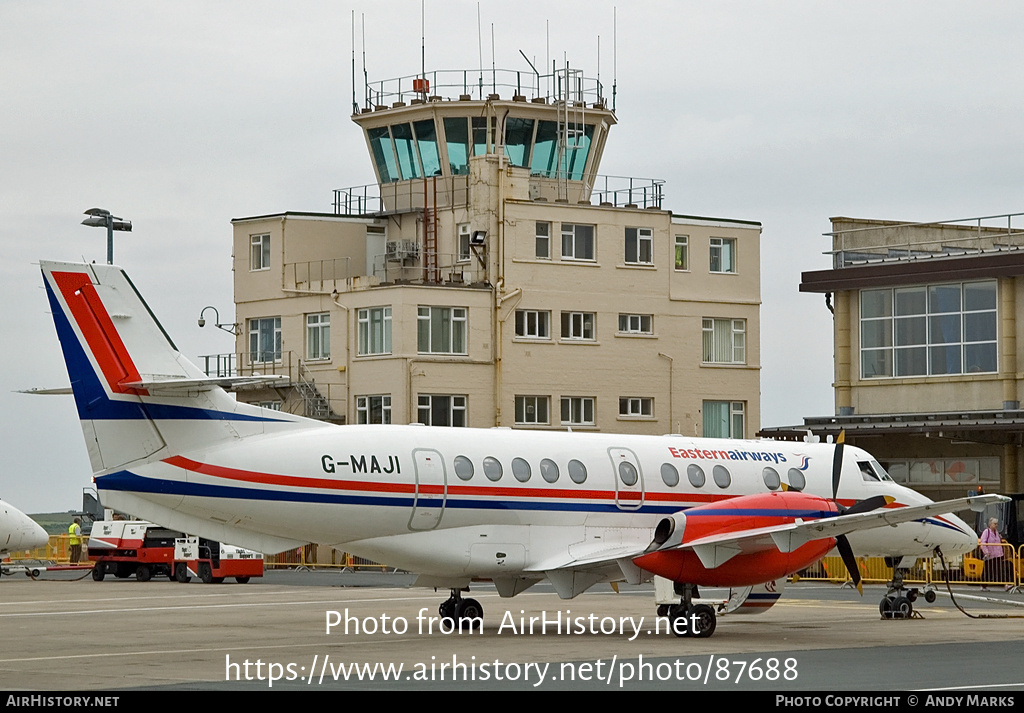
pixel 992 552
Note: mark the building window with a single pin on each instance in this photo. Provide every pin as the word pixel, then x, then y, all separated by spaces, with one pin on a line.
pixel 639 246
pixel 441 330
pixel 533 324
pixel 930 330
pixel 465 253
pixel 259 252
pixel 544 241
pixel 374 331
pixel 532 410
pixel 577 242
pixel 318 336
pixel 682 262
pixel 442 410
pixel 636 407
pixel 578 326
pixel 373 409
pixel 265 339
pixel 577 411
pixel 271 405
pixel 725 341
pixel 723 255
pixel 724 419
pixel 949 471
pixel 636 323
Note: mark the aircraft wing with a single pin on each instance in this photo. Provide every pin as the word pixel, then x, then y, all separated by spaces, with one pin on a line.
pixel 714 550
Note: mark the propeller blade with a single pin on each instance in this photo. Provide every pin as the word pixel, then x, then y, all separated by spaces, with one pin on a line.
pixel 843 545
pixel 837 462
pixel 872 503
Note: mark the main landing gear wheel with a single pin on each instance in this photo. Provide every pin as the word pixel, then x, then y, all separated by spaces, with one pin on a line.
pixel 698 621
pixel 456 608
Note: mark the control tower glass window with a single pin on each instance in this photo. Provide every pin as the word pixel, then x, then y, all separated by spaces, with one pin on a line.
pixel 426 139
pixel 550 161
pixel 456 132
pixel 480 134
pixel 405 149
pixel 518 140
pixel 383 154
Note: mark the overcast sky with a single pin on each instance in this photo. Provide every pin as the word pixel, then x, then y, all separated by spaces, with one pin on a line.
pixel 180 116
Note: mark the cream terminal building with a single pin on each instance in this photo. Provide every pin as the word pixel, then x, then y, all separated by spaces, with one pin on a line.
pixel 929 361
pixel 492 277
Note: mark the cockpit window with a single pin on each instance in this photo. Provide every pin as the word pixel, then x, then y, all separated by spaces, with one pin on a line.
pixel 872 471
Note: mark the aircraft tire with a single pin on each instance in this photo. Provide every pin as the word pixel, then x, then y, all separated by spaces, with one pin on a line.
pixel 675 613
pixel 705 618
pixel 469 609
pixel 885 608
pixel 447 609
pixel 902 608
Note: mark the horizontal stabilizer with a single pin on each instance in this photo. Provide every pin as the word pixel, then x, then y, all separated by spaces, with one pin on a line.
pixel 228 383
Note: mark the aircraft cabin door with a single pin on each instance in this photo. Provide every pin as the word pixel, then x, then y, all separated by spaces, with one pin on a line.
pixel 629 479
pixel 431 490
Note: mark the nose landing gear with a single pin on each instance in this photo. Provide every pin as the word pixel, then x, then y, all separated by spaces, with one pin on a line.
pixel 898 602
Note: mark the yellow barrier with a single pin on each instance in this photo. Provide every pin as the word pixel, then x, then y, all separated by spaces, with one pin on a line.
pixel 1006 571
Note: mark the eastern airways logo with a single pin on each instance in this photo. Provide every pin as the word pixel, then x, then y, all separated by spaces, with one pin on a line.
pixel 804 461
pixel 696 453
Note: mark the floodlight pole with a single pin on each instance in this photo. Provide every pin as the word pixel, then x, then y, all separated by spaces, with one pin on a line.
pixel 102 217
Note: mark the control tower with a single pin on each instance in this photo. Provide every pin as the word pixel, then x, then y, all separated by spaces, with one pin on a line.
pixel 493 277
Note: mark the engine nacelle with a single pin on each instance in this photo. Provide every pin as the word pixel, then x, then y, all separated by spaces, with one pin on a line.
pixel 740 562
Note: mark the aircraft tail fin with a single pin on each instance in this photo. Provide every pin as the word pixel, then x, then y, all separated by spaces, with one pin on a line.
pixel 116 351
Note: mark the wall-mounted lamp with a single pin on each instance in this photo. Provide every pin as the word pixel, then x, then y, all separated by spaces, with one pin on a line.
pixel 227 327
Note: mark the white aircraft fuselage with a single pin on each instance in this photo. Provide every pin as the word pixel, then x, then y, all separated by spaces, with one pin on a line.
pixel 18 531
pixel 169 445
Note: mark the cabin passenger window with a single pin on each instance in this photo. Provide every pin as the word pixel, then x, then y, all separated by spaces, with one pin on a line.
pixel 521 470
pixel 797 481
pixel 695 474
pixel 670 475
pixel 492 468
pixel 463 467
pixel 627 472
pixel 549 470
pixel 577 471
pixel 720 474
pixel 771 478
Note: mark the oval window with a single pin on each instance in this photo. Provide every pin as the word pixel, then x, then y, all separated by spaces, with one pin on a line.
pixel 670 475
pixel 463 467
pixel 549 470
pixel 771 478
pixel 627 472
pixel 721 476
pixel 492 468
pixel 577 471
pixel 520 469
pixel 796 479
pixel 696 475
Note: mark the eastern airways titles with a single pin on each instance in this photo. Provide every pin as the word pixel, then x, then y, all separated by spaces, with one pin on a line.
pixel 360 464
